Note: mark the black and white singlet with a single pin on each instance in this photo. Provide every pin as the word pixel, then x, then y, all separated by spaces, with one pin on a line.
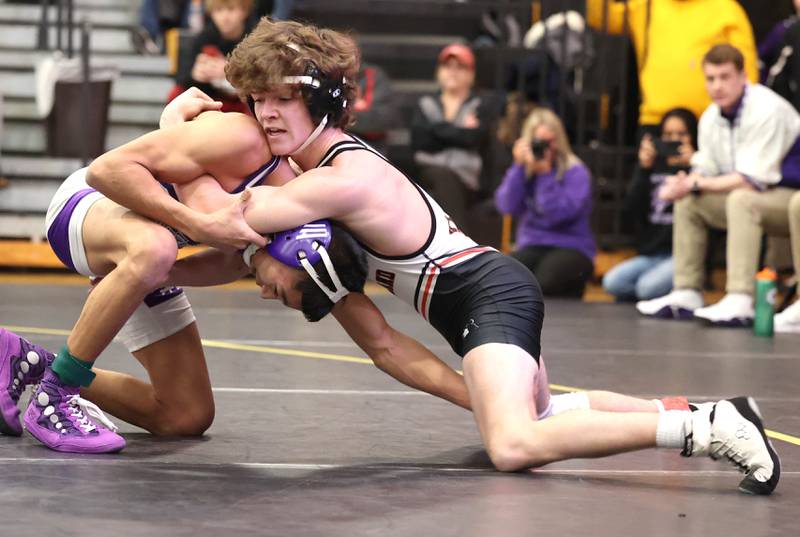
pixel 471 294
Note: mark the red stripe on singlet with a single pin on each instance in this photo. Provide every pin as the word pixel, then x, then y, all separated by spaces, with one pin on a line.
pixel 459 255
pixel 426 292
pixel 435 269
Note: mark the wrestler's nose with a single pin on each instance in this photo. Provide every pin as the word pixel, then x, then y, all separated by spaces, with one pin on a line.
pixel 267 110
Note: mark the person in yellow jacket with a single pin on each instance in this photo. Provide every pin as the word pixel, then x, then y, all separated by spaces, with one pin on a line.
pixel 670 38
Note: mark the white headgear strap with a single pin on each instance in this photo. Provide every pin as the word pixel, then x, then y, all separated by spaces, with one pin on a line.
pixel 340 291
pixel 313 136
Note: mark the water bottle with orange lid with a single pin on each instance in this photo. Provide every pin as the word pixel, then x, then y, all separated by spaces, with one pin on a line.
pixel 766 288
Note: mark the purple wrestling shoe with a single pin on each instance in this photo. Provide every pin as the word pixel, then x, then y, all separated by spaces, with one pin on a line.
pixel 21 364
pixel 60 419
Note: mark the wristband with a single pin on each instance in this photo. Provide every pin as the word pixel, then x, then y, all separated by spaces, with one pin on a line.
pixel 696 189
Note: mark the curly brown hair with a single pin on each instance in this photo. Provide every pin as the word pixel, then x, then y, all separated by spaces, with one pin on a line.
pixel 275 49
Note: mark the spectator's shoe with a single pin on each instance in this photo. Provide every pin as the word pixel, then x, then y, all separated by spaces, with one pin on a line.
pixel 679 304
pixel 734 310
pixel 61 420
pixel 21 363
pixel 143 42
pixel 732 429
pixel 788 321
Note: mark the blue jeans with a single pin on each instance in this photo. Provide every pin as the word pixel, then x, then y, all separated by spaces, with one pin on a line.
pixel 641 278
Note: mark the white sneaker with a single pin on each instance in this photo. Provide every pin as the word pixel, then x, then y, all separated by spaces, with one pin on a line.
pixel 679 304
pixel 732 429
pixel 788 321
pixel 734 310
pixel 737 434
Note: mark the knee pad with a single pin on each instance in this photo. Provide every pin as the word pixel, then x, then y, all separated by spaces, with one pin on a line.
pixel 163 313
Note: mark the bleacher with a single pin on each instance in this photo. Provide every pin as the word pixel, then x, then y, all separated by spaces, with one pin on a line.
pixel 137 99
pixel 402 37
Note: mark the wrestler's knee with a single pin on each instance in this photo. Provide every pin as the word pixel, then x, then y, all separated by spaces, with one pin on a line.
pixel 151 256
pixel 508 451
pixel 185 420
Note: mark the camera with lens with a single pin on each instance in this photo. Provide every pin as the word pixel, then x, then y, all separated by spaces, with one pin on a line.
pixel 538 147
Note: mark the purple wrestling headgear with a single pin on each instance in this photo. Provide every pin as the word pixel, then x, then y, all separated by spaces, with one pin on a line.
pixel 303 247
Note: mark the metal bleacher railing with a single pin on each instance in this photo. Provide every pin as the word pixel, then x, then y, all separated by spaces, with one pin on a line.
pixel 64 27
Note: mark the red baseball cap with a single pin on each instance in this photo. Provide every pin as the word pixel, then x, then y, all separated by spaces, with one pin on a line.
pixel 461 53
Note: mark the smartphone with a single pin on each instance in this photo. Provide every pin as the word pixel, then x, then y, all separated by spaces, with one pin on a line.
pixel 667 148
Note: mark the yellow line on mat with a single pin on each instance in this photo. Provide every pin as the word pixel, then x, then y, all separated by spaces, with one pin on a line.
pixel 323 356
pixel 284 352
pixel 34 330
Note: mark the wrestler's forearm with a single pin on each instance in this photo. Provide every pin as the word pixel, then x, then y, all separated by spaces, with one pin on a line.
pixel 411 363
pixel 133 186
pixel 400 356
pixel 208 268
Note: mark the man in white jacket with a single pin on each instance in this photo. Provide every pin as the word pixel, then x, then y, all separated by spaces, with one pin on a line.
pixel 743 176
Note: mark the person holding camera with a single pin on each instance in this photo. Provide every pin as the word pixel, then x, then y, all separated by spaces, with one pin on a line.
pixel 549 190
pixel 649 273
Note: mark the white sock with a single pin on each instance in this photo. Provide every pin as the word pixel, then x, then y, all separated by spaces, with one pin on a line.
pixel 700 428
pixel 671 429
pixel 568 401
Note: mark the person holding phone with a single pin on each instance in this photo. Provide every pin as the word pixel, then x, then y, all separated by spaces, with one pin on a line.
pixel 649 273
pixel 549 190
pixel 743 177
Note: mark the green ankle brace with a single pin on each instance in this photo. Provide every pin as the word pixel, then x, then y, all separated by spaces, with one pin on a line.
pixel 71 370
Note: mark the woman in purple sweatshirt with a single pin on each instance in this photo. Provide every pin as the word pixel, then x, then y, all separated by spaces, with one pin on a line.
pixel 549 190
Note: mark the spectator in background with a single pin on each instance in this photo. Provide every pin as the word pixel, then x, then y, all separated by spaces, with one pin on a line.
pixel 228 26
pixel 649 273
pixel 788 321
pixel 446 132
pixel 769 49
pixel 158 16
pixel 780 58
pixel 375 110
pixel 742 180
pixel 670 38
pixel 279 10
pixel 549 190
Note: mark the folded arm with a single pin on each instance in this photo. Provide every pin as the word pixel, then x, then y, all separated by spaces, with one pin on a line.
pixel 223 145
pixel 400 356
